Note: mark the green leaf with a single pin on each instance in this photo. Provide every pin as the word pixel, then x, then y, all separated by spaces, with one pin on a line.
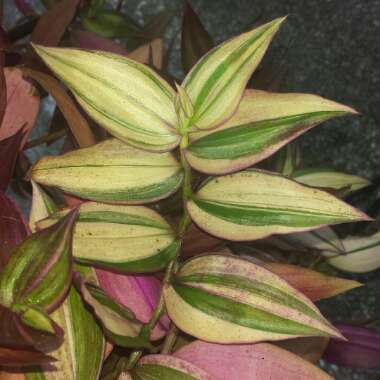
pixel 195 41
pixel 39 271
pixel 331 179
pixel 122 238
pixel 216 83
pixel 263 123
pixel 225 299
pixel 127 98
pixel 119 323
pixel 255 204
pixel 112 171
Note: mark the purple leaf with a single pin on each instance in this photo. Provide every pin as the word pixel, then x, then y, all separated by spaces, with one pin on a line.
pixel 362 349
pixel 13 228
pixel 24 7
pixel 139 294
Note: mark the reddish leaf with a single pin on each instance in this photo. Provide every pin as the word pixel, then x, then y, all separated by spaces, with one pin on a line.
pixel 3 86
pixel 139 294
pixel 22 105
pixel 362 349
pixel 77 123
pixel 52 24
pixel 13 228
pixel 195 40
pixel 17 335
pixel 17 358
pixel 92 41
pixel 196 241
pixel 9 149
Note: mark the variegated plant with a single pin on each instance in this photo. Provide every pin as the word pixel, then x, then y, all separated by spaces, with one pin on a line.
pixel 203 136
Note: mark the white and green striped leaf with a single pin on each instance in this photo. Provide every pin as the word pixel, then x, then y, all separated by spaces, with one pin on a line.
pixel 165 367
pixel 42 206
pixel 226 299
pixel 81 354
pixel 254 204
pixel 112 171
pixel 119 323
pixel 331 179
pixel 216 83
pixel 127 98
pixel 263 123
pixel 123 238
pixel 361 254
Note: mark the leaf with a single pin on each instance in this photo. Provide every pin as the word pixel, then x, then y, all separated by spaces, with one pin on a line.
pixel 89 40
pixel 77 123
pixel 52 24
pixel 196 241
pixel 361 254
pixel 122 238
pixel 127 98
pixel 157 367
pixel 249 362
pixel 255 204
pixel 119 324
pixel 312 284
pixel 9 150
pixel 3 85
pixel 330 179
pixel 39 271
pixel 22 106
pixel 83 340
pixel 225 299
pixel 216 83
pixel 112 171
pixel 112 24
pixel 195 40
pixel 263 123
pixel 13 228
pixel 138 293
pixel 151 52
pixel 19 358
pixel 42 206
pixel 361 351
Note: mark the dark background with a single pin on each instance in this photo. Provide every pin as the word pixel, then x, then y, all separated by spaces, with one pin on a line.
pixel 331 48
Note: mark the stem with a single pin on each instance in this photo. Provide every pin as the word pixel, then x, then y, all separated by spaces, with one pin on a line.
pixel 170 340
pixel 172 266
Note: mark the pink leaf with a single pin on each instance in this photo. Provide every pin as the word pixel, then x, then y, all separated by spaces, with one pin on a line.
pixel 138 293
pixel 22 106
pixel 249 362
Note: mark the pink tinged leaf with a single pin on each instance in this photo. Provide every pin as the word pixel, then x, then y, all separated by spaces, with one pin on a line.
pixel 13 228
pixel 362 349
pixel 249 362
pixel 139 293
pixel 167 367
pixel 91 41
pixel 22 106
